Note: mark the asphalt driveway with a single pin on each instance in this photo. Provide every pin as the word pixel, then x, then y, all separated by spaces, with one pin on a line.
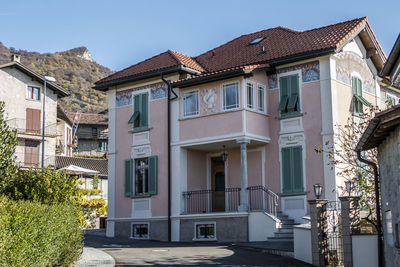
pixel 127 252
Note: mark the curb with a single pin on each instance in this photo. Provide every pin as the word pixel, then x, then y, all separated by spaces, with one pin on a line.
pixel 285 253
pixel 94 257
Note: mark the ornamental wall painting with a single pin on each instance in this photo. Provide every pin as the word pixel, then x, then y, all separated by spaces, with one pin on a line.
pixel 309 73
pixel 209 100
pixel 157 91
pixel 348 63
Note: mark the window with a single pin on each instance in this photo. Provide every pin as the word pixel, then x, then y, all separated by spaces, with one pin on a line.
pixel 139 118
pixel 230 96
pixel 141 176
pixel 250 94
pixel 390 100
pixel 292 169
pixel 289 95
pixel 190 103
pixel 358 99
pixel 103 146
pixel 140 231
pixel 257 40
pixel 94 132
pixel 33 93
pixel 261 98
pixel 205 231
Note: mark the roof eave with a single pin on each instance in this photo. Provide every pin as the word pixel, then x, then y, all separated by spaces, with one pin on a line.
pixel 302 56
pixel 105 85
pixel 368 134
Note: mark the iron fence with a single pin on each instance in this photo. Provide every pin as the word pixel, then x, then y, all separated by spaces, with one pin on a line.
pixel 263 199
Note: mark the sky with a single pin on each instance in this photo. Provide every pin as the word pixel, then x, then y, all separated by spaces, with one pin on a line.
pixel 121 33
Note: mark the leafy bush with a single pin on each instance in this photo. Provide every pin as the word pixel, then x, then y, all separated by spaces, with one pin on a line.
pixel 35 234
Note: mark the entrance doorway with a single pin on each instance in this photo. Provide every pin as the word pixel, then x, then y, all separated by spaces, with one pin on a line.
pixel 218 184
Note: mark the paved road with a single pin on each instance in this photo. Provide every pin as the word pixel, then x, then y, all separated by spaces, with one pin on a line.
pixel 128 252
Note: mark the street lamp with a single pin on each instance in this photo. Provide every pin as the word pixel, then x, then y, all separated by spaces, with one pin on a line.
pixel 349 186
pixel 318 190
pixel 45 79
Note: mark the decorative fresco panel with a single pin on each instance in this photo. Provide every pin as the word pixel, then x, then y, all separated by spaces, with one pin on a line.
pixel 309 72
pixel 157 91
pixel 349 62
pixel 209 100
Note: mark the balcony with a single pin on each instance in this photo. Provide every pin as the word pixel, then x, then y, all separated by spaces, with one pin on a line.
pixel 29 127
pixel 33 160
pixel 209 201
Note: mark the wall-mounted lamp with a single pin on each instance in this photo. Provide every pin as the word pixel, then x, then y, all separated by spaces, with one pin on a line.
pixel 224 155
pixel 349 186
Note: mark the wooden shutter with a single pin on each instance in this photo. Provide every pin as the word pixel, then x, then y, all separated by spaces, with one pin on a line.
pixel 293 104
pixel 136 111
pixel 153 169
pixel 284 93
pixel 33 120
pixel 29 121
pixel 297 168
pixel 128 177
pixel 144 110
pixel 286 170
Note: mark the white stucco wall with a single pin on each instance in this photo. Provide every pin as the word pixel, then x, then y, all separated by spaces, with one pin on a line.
pixel 302 243
pixel 261 226
pixel 365 252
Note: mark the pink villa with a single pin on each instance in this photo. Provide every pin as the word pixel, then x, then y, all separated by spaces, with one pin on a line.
pixel 221 146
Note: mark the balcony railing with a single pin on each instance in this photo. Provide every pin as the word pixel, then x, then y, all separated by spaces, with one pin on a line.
pixel 263 199
pixel 24 126
pixel 34 160
pixel 208 201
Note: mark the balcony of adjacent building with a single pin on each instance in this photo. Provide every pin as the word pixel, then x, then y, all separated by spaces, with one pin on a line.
pixel 33 159
pixel 32 129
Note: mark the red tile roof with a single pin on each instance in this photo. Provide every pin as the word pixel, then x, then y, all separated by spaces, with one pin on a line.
pixel 278 43
pixel 164 60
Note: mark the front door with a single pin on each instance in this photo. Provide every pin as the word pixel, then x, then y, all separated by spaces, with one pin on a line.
pixel 218 184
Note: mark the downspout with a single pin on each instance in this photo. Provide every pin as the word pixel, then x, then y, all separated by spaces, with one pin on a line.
pixel 377 207
pixel 169 150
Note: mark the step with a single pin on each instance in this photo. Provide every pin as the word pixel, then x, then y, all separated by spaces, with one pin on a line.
pixel 283 235
pixel 285 230
pixel 279 239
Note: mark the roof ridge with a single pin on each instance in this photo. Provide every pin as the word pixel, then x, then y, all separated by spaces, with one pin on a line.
pixel 362 19
pixel 176 53
pixel 172 54
pixel 286 29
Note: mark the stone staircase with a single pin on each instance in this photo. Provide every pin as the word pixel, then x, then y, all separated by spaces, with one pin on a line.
pixel 285 233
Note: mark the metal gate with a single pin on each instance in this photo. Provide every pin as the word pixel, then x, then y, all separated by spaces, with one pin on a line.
pixel 333 242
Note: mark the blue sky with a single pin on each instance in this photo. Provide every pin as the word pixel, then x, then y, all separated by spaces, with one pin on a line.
pixel 121 33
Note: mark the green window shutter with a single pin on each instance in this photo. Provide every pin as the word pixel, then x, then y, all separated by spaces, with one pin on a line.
pixel 128 177
pixel 99 146
pixel 136 111
pixel 284 93
pixel 153 169
pixel 294 93
pixel 144 110
pixel 297 168
pixel 286 170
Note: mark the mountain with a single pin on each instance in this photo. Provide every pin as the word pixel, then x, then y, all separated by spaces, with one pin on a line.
pixel 73 69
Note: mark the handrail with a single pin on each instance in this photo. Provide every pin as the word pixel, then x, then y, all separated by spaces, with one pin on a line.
pixel 262 198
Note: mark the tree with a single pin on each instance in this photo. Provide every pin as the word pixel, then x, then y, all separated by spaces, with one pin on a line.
pixel 8 143
pixel 343 157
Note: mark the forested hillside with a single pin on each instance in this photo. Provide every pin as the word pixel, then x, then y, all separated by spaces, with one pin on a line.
pixel 73 69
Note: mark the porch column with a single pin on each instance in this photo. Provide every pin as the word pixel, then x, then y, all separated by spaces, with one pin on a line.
pixel 244 196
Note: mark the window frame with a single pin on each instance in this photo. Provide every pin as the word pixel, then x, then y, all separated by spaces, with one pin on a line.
pixel 146 178
pixel 223 98
pixel 133 224
pixel 290 94
pixel 251 106
pixel 29 93
pixel 197 238
pixel 393 97
pixel 185 115
pixel 263 88
pixel 103 147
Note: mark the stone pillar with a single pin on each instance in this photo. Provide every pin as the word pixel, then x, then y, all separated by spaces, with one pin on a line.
pixel 244 195
pixel 318 225
pixel 350 224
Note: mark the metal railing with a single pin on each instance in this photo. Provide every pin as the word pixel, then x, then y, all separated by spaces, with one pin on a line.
pixel 261 198
pixel 32 127
pixel 207 201
pixel 34 160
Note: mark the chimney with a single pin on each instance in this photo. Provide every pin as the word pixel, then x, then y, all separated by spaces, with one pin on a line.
pixel 16 58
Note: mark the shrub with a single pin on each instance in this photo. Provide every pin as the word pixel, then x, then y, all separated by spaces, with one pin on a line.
pixel 35 234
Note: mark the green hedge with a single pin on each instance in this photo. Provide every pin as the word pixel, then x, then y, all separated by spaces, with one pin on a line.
pixel 34 234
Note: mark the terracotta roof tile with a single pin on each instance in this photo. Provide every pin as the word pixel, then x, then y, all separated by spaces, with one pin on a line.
pixel 91 118
pixel 279 42
pixel 99 165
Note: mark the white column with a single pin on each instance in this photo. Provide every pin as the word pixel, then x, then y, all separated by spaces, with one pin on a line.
pixel 244 196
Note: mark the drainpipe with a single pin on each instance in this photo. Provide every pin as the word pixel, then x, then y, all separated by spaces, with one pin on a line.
pixel 377 207
pixel 169 151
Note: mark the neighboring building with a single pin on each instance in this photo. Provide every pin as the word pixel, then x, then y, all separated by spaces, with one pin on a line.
pixel 383 132
pixel 22 91
pixel 245 119
pixel 64 142
pixel 91 135
pixel 99 166
pixel 391 75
